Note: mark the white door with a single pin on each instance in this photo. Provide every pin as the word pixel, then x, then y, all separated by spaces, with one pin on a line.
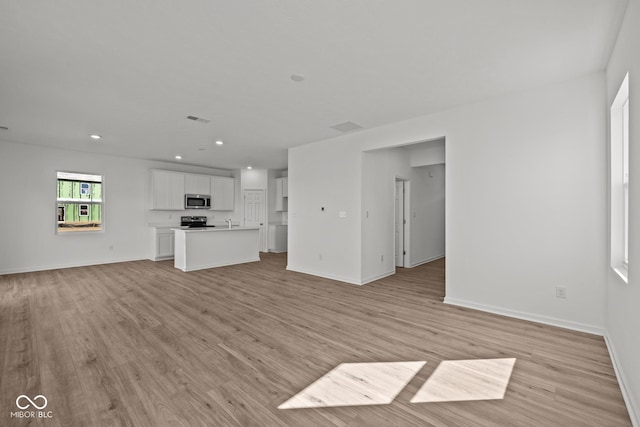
pixel 254 213
pixel 400 221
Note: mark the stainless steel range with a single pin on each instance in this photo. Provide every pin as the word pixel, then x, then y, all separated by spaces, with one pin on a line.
pixel 194 221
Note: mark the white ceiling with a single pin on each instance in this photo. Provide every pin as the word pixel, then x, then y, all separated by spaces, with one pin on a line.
pixel 133 70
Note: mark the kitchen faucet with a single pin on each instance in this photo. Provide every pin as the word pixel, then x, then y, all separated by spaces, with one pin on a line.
pixel 229 221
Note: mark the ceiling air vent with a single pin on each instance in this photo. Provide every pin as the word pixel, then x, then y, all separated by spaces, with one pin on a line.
pixel 198 119
pixel 346 127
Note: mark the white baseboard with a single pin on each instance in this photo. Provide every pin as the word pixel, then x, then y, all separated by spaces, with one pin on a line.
pixel 378 277
pixel 424 261
pixel 67 265
pixel 632 408
pixel 528 316
pixel 220 264
pixel 325 275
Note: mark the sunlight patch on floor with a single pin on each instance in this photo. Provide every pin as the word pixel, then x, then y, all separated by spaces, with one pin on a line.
pixel 462 380
pixel 356 384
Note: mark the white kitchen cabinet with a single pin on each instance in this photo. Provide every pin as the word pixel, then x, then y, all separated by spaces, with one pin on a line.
pixel 163 243
pixel 222 193
pixel 197 184
pixel 167 190
pixel 282 194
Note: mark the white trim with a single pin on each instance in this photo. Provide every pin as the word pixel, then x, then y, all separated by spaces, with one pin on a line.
pixel 161 258
pixel 69 265
pixel 80 201
pixel 225 263
pixel 634 412
pixel 324 275
pixel 378 277
pixel 581 327
pixel 428 260
pixel 622 273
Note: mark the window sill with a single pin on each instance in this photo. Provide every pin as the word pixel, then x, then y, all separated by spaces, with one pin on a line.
pixel 622 272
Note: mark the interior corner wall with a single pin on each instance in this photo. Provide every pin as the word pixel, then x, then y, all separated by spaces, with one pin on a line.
pixel 623 300
pixel 379 172
pixel 525 201
pixel 427 214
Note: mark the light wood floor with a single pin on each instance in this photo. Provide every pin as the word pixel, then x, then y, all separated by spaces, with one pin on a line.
pixel 144 344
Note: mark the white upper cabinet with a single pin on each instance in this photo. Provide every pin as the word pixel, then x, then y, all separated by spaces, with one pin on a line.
pixel 197 184
pixel 222 193
pixel 167 190
pixel 282 194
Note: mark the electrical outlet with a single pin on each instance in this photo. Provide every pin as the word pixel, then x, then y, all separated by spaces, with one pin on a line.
pixel 561 292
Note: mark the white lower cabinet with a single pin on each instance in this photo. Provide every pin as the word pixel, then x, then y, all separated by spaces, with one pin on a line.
pixel 278 238
pixel 163 243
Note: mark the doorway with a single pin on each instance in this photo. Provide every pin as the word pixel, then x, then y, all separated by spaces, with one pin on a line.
pixel 254 214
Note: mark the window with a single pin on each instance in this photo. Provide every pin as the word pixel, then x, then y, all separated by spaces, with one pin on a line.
pixel 78 202
pixel 619 191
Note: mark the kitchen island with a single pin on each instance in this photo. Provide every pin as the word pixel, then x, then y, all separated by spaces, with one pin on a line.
pixel 208 247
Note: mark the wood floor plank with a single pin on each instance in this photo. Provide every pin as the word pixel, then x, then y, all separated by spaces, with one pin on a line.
pixel 144 344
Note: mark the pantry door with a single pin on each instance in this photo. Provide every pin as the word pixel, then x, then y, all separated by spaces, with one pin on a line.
pixel 254 214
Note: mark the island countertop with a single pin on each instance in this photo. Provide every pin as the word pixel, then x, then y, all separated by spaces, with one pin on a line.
pixel 216 228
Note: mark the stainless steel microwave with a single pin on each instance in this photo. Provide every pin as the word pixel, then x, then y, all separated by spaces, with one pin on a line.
pixel 197 201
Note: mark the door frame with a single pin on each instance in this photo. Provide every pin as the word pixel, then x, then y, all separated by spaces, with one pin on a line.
pixel 406 232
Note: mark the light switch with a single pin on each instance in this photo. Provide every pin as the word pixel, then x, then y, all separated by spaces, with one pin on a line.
pixel 342 214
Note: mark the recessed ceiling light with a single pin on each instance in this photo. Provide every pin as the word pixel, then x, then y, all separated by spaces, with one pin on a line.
pixel 95 136
pixel 297 78
pixel 249 167
pixel 178 157
pixel 219 142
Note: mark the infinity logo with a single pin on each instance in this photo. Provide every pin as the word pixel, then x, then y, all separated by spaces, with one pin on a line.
pixel 23 397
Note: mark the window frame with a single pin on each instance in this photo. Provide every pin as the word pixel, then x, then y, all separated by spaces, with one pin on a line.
pixel 619 184
pixel 81 177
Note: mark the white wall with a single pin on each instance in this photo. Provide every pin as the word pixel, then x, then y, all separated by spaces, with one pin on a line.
pixel 623 300
pixel 427 153
pixel 325 175
pixel 28 191
pixel 525 201
pixel 427 213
